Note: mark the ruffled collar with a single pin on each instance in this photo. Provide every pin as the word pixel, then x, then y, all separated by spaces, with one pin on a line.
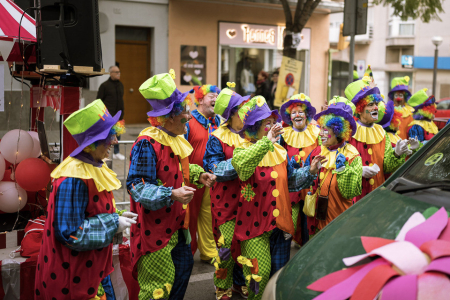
pixel 347 149
pixel 178 144
pixel 428 126
pixel 206 122
pixel 224 134
pixel 301 139
pixel 104 178
pixel 271 159
pixel 369 135
pixel 393 137
pixel 406 111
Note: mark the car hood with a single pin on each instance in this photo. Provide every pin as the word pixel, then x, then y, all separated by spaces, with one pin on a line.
pixel 382 213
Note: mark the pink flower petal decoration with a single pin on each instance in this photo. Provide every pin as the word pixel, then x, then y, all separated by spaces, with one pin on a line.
pixel 371 284
pixel 436 248
pixel 346 288
pixel 433 286
pixel 445 235
pixel 440 265
pixel 404 255
pixel 371 243
pixel 416 219
pixel 400 288
pixel 428 230
pixel 332 279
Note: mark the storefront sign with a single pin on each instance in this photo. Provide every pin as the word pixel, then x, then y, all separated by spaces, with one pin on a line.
pixel 288 80
pixel 407 61
pixel 193 65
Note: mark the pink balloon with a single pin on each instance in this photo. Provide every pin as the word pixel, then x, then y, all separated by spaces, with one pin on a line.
pixel 2 166
pixel 12 197
pixel 37 146
pixel 9 149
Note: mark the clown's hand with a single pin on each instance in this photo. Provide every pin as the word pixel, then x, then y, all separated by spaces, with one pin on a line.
pixel 368 172
pixel 414 143
pixel 124 223
pixel 401 147
pixel 129 214
pixel 207 179
pixel 340 162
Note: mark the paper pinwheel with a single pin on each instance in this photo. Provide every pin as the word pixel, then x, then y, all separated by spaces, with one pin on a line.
pixel 414 266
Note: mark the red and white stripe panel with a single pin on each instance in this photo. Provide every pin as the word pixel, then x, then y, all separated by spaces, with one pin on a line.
pixel 10 15
pixel 50 95
pixel 11 239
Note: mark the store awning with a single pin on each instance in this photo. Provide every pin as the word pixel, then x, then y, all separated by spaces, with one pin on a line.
pixel 10 15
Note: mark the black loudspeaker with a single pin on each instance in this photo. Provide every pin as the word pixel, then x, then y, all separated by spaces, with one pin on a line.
pixel 68 34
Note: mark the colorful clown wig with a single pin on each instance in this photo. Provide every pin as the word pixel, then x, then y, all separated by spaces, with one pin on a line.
pixel 237 107
pixel 117 130
pixel 426 112
pixel 201 91
pixel 396 119
pixel 340 126
pixel 251 132
pixel 177 109
pixel 365 101
pixel 288 111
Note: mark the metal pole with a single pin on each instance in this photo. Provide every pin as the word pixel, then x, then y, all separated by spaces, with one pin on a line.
pixel 435 69
pixel 352 58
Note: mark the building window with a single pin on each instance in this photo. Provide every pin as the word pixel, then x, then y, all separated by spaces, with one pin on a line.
pixel 339 77
pixel 406 29
pixel 445 91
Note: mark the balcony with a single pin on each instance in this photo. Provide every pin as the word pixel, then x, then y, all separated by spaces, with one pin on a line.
pixel 400 33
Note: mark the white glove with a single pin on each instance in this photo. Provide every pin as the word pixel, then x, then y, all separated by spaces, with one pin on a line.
pixel 131 215
pixel 369 172
pixel 401 147
pixel 124 223
pixel 414 143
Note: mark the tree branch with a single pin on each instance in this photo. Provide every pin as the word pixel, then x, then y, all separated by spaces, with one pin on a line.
pixel 287 13
pixel 308 9
pixel 298 11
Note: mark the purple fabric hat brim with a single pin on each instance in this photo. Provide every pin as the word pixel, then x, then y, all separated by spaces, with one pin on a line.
pixel 364 93
pixel 399 88
pixel 98 131
pixel 433 100
pixel 341 113
pixel 234 101
pixel 163 107
pixel 286 119
pixel 260 117
pixel 387 118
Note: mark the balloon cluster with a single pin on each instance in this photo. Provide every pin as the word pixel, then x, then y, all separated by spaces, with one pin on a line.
pixel 21 170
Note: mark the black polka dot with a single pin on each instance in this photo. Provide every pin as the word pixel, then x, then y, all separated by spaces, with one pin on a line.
pixel 182 223
pixel 225 188
pixel 166 168
pixel 168 210
pixel 247 233
pixel 365 146
pixel 89 264
pixel 91 290
pixel 147 253
pixel 217 197
pixel 158 221
pixel 96 198
pixel 292 203
pixel 108 206
pixel 265 214
pixel 162 147
pixel 367 162
pixel 239 222
pixel 272 182
pixel 262 174
pixel 235 212
pixel 132 234
pixel 314 183
pixel 44 284
pixel 219 214
pixel 132 254
pixel 226 205
pixel 48 232
pixel 168 231
pixel 101 274
pixel 212 204
pixel 152 141
pixel 256 224
pixel 74 253
pixel 240 204
pixel 264 194
pixel 248 214
pixel 172 155
pixel 158 242
pixel 53 224
pixel 234 196
pixel 146 211
pixel 139 246
pixel 139 225
pixel 37 292
pixel 65 265
pixel 39 267
pixel 53 298
pixel 76 279
pixel 274 223
pixel 255 185
pixel 53 276
pixel 256 204
pixel 53 250
pixel 274 203
pixel 175 176
pixel 51 206
pixel 45 258
pixel 65 291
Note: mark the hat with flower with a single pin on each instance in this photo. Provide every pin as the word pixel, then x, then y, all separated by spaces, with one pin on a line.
pixel 256 109
pixel 161 92
pixel 341 107
pixel 360 89
pixel 400 84
pixel 90 124
pixel 298 98
pixel 421 99
pixel 227 100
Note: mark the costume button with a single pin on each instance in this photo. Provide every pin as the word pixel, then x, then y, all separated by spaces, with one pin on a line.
pixel 276 212
pixel 370 151
pixel 180 166
pixel 182 184
pixel 322 175
pixel 275 193
pixel 184 206
pixel 302 153
pixel 371 164
pixel 371 181
pixel 398 132
pixel 274 174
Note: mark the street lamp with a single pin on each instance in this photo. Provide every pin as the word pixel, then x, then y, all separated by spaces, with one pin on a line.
pixel 437 40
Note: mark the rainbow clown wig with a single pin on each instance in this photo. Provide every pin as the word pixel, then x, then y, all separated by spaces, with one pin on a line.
pixel 251 133
pixel 117 130
pixel 340 126
pixel 365 101
pixel 177 109
pixel 198 92
pixel 299 100
pixel 424 105
pixel 289 109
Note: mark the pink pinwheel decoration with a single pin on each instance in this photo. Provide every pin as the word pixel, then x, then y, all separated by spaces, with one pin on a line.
pixel 414 266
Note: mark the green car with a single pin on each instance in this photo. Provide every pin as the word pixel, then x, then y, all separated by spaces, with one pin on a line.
pixel 422 182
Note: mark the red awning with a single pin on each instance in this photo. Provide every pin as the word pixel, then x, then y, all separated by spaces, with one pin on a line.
pixel 10 15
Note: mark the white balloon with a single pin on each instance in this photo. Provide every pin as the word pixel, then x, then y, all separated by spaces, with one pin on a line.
pixel 9 149
pixel 2 166
pixel 37 146
pixel 12 197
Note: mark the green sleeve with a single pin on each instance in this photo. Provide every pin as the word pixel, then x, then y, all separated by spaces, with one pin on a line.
pixel 391 162
pixel 194 174
pixel 245 161
pixel 319 140
pixel 350 179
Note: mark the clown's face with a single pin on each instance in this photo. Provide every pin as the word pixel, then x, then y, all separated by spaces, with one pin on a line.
pixel 298 118
pixel 327 136
pixel 206 105
pixel 104 148
pixel 399 98
pixel 370 113
pixel 266 125
pixel 178 124
pixel 236 122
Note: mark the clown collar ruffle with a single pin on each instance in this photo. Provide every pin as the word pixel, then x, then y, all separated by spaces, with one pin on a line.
pixel 369 135
pixel 178 144
pixel 224 134
pixel 104 178
pixel 406 111
pixel 393 137
pixel 271 159
pixel 428 126
pixel 347 149
pixel 301 139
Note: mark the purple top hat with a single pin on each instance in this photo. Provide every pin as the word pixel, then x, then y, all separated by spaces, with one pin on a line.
pixel 163 107
pixel 226 101
pixel 388 114
pixel 255 110
pixel 310 110
pixel 399 88
pixel 342 110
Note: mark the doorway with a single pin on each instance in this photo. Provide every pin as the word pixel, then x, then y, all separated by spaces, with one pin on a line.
pixel 133 58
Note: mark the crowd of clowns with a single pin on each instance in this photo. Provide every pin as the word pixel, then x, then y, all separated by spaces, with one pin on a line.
pixel 236 187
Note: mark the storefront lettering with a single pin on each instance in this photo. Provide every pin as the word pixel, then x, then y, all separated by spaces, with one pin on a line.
pixel 198 66
pixel 252 35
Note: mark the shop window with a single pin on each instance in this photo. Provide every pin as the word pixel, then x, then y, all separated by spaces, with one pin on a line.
pixel 339 78
pixel 406 29
pixel 445 91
